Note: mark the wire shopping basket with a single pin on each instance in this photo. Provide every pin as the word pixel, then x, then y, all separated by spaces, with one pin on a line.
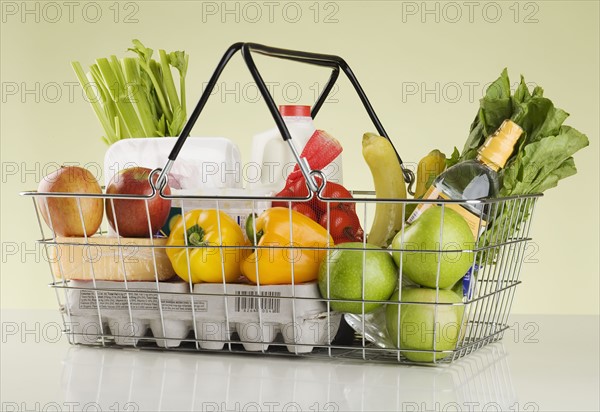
pixel 118 291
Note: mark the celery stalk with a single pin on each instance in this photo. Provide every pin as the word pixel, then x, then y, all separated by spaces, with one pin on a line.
pixel 156 76
pixel 88 89
pixel 115 64
pixel 179 60
pixel 130 118
pixel 147 89
pixel 140 99
pixel 168 81
pixel 110 81
pixel 118 93
pixel 149 66
pixel 161 127
pixel 175 126
pixel 183 97
pixel 107 104
pixel 137 97
pixel 182 75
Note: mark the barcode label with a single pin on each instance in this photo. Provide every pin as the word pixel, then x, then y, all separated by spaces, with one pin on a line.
pixel 248 301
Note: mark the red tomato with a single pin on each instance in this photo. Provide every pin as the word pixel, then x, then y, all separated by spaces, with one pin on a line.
pixel 306 210
pixel 331 191
pixel 299 188
pixel 344 225
pixel 335 191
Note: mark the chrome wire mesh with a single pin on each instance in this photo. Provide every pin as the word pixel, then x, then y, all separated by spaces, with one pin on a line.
pixel 497 260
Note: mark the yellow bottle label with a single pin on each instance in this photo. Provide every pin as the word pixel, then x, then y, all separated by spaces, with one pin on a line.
pixel 476 223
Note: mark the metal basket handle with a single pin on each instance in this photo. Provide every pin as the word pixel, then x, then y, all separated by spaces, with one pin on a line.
pixel 326 60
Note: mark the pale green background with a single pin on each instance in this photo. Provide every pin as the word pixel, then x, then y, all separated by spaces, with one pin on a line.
pixel 557 48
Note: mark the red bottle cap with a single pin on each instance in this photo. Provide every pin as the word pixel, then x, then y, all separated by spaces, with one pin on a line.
pixel 294 110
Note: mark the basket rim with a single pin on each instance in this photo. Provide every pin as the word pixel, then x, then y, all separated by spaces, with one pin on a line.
pixel 35 193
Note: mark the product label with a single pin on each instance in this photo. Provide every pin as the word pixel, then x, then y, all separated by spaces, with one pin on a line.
pixel 476 223
pixel 138 301
pixel 468 279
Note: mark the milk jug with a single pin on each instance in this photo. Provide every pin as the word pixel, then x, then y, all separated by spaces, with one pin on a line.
pixel 272 157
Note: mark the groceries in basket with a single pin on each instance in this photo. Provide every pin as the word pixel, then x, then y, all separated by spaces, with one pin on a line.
pixel 80 253
pixel 236 263
pixel 542 155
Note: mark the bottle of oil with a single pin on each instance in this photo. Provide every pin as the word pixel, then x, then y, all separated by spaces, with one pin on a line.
pixel 474 179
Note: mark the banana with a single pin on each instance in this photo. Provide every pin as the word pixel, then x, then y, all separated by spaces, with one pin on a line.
pixel 389 184
pixel 428 169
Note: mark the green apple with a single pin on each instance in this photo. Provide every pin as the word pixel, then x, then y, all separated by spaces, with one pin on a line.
pixel 346 277
pixel 418 322
pixel 424 234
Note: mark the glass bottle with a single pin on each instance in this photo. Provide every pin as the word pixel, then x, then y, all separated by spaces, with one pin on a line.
pixel 474 179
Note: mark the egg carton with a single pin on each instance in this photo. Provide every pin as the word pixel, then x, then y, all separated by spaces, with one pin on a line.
pixel 286 310
pixel 219 312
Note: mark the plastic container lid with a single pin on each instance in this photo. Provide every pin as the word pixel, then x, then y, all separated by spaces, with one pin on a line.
pixel 294 111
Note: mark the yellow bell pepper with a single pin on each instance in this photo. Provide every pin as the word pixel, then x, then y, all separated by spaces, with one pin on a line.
pixel 204 238
pixel 275 265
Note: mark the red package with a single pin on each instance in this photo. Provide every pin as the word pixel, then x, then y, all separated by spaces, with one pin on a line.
pixel 344 225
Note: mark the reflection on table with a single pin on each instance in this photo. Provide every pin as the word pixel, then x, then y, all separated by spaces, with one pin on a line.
pixel 153 380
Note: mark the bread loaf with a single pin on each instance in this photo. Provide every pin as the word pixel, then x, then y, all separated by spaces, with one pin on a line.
pixel 110 258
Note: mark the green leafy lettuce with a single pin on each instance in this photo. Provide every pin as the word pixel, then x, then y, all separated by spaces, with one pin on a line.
pixel 541 158
pixel 543 154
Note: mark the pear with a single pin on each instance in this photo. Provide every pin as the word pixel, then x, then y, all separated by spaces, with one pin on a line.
pixel 424 234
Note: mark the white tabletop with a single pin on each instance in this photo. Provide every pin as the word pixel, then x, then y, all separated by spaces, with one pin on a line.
pixel 543 363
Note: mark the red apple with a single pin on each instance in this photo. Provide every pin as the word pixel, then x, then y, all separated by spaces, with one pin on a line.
pixel 62 214
pixel 131 215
